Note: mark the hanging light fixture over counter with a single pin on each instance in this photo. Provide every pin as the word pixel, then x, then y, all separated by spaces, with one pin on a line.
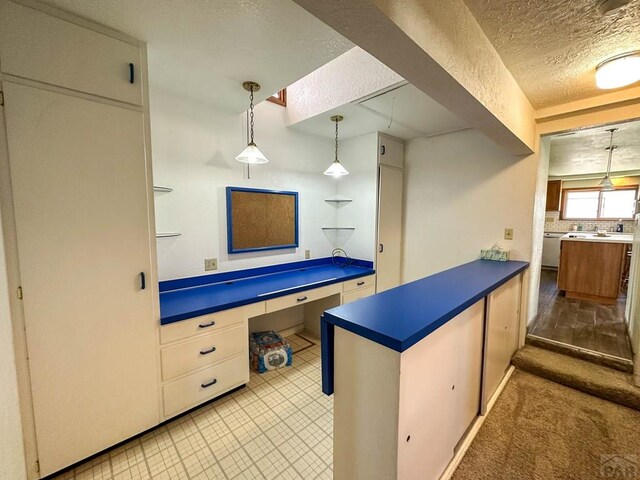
pixel 336 169
pixel 618 71
pixel 606 184
pixel 251 154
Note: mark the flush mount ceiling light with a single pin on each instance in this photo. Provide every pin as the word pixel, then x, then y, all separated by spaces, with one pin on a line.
pixel 618 71
pixel 606 184
pixel 336 169
pixel 251 154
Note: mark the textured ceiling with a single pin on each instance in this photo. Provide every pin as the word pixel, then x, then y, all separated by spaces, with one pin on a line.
pixel 206 49
pixel 553 46
pixel 583 152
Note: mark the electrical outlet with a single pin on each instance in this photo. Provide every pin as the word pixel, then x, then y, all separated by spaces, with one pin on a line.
pixel 210 264
pixel 307 254
pixel 508 233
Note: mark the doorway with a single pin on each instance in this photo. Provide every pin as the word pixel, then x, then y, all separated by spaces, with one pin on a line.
pixel 595 227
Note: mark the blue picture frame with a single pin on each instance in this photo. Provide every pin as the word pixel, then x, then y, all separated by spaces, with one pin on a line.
pixel 229 194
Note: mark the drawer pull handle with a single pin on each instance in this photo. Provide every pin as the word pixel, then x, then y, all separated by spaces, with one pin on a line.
pixel 210 350
pixel 360 284
pixel 131 73
pixel 205 325
pixel 212 382
pixel 302 299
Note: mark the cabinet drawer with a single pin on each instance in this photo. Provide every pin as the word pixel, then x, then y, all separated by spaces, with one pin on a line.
pixel 201 325
pixel 48 49
pixel 362 282
pixel 202 351
pixel 358 294
pixel 302 297
pixel 205 384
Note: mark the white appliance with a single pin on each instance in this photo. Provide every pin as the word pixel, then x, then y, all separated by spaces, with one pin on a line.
pixel 551 249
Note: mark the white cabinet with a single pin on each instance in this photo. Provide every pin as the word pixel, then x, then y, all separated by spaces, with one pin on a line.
pixel 389 249
pixel 79 180
pixel 501 339
pixel 390 151
pixel 47 49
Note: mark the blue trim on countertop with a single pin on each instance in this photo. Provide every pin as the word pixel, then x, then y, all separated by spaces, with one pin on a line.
pixel 192 297
pixel 230 248
pixel 401 317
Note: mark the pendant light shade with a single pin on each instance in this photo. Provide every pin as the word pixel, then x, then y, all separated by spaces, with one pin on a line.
pixel 251 154
pixel 336 169
pixel 618 71
pixel 606 185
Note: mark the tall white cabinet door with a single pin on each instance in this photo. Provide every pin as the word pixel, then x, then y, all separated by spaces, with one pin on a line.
pixel 501 338
pixel 388 256
pixel 79 182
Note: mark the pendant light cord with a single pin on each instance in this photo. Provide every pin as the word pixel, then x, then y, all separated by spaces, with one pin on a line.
pixel 610 151
pixel 336 140
pixel 251 114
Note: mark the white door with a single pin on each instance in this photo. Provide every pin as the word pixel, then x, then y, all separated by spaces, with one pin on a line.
pixel 388 256
pixel 79 182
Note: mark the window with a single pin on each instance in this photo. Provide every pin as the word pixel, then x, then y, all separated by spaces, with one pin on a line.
pixel 594 204
pixel 280 98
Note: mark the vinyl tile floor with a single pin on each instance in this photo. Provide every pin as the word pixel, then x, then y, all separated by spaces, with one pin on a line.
pixel 279 427
pixel 581 323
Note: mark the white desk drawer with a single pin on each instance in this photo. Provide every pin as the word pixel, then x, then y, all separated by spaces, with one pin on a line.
pixel 362 282
pixel 205 384
pixel 202 351
pixel 200 325
pixel 354 295
pixel 287 301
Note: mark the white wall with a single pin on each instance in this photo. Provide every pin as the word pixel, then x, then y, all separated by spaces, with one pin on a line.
pixel 12 461
pixel 194 149
pixel 360 156
pixel 461 191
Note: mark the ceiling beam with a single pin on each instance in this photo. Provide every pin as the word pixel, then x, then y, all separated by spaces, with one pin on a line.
pixel 440 49
pixel 628 96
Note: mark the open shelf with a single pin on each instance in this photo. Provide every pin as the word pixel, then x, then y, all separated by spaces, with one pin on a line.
pixel 338 200
pixel 158 188
pixel 167 234
pixel 338 228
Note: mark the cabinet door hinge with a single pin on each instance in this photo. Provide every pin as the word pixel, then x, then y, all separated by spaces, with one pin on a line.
pixel 38 466
pixel 20 293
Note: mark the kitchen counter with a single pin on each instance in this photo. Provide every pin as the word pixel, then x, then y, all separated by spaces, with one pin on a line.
pixel 592 237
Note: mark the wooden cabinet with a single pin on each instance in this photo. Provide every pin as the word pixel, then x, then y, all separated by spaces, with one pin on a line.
pixel 554 191
pixel 591 270
pixel 388 256
pixel 79 178
pixel 54 51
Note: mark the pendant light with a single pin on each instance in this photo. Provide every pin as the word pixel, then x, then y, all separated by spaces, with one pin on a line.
pixel 606 184
pixel 336 169
pixel 251 154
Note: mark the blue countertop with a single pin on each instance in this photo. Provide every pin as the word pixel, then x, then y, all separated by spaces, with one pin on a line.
pixel 402 316
pixel 188 298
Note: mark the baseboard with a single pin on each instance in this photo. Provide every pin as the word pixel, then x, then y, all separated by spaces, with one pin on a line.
pixel 466 442
pixel 292 330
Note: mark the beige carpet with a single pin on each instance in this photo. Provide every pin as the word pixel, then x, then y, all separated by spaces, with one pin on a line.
pixel 539 429
pixel 585 376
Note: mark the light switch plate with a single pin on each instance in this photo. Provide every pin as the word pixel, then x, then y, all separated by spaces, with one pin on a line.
pixel 508 233
pixel 210 264
pixel 307 254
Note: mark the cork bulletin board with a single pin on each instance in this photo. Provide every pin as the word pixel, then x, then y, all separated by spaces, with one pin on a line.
pixel 261 219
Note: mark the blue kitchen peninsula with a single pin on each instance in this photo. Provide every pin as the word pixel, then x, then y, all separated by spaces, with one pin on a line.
pixel 411 368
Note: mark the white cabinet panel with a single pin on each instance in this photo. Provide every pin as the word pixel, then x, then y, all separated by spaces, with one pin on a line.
pixel 79 179
pixel 390 151
pixel 354 295
pixel 48 49
pixel 388 256
pixel 204 324
pixel 501 340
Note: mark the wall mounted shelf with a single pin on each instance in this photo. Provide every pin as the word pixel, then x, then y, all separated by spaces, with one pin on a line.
pixel 338 228
pixel 158 188
pixel 338 200
pixel 167 234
